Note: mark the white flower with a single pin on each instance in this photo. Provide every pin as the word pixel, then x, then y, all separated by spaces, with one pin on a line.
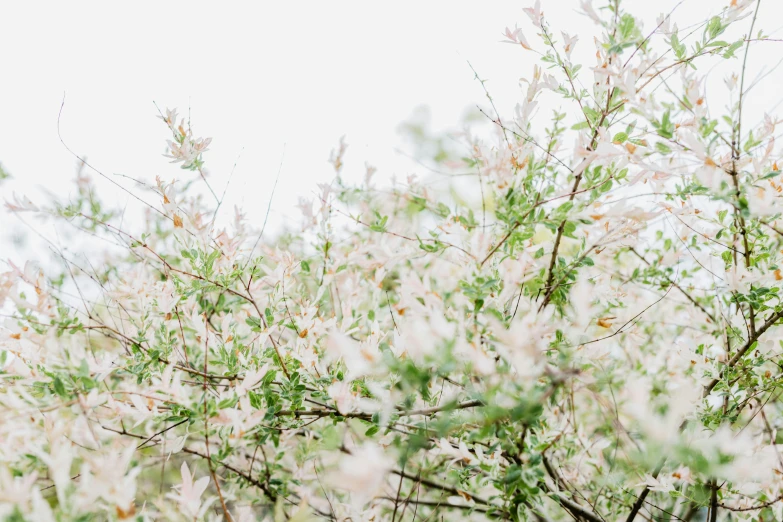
pixel 569 42
pixel 252 378
pixel 341 394
pixel 363 472
pixel 587 9
pixel 459 454
pixel 21 204
pixel 188 494
pixel 170 118
pixel 107 476
pixel 516 37
pixel 534 13
pixel 360 358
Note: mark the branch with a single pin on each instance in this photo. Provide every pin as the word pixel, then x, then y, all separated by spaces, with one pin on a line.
pixel 737 356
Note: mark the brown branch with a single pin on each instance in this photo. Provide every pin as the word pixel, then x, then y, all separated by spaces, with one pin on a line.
pixel 737 356
pixel 646 491
pixel 714 502
pixel 537 204
pixel 449 489
pixel 364 415
pixel 437 503
pixel 575 509
pixel 206 427
pixel 753 508
pixel 560 229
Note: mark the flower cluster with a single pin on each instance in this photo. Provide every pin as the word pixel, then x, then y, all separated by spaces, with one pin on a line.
pixel 184 148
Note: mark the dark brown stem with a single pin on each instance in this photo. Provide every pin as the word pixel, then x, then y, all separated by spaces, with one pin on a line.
pixel 714 502
pixel 206 427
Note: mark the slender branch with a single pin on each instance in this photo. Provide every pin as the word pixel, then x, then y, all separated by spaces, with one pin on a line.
pixel 206 426
pixel 714 502
pixel 756 507
pixel 363 415
pixel 743 350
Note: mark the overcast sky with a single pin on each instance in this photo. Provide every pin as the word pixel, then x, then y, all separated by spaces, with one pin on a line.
pixel 258 75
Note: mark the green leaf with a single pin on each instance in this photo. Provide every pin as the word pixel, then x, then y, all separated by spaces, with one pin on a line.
pixel 254 323
pixel 627 26
pixel 380 223
pixel 665 127
pixel 59 388
pixel 442 210
pixel 729 53
pixel 620 137
pixel 678 48
pixel 592 114
pixel 562 211
pixel 714 27
pixel 569 229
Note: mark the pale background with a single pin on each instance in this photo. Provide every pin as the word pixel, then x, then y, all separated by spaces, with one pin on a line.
pixel 258 75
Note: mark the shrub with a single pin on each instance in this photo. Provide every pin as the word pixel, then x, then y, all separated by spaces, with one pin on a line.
pixel 596 339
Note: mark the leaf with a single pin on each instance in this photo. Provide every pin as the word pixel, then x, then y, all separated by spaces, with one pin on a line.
pixel 665 127
pixel 254 323
pixel 714 27
pixel 733 48
pixel 678 48
pixel 59 388
pixel 619 138
pixel 591 114
pixel 380 223
pixel 627 26
pixel 442 210
pixel 562 211
pixel 569 229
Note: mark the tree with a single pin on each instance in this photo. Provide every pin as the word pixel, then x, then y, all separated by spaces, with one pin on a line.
pixel 597 339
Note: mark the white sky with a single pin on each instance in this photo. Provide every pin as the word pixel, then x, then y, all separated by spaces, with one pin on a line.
pixel 260 74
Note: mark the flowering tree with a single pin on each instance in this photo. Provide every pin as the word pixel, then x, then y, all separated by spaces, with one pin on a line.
pixel 597 339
